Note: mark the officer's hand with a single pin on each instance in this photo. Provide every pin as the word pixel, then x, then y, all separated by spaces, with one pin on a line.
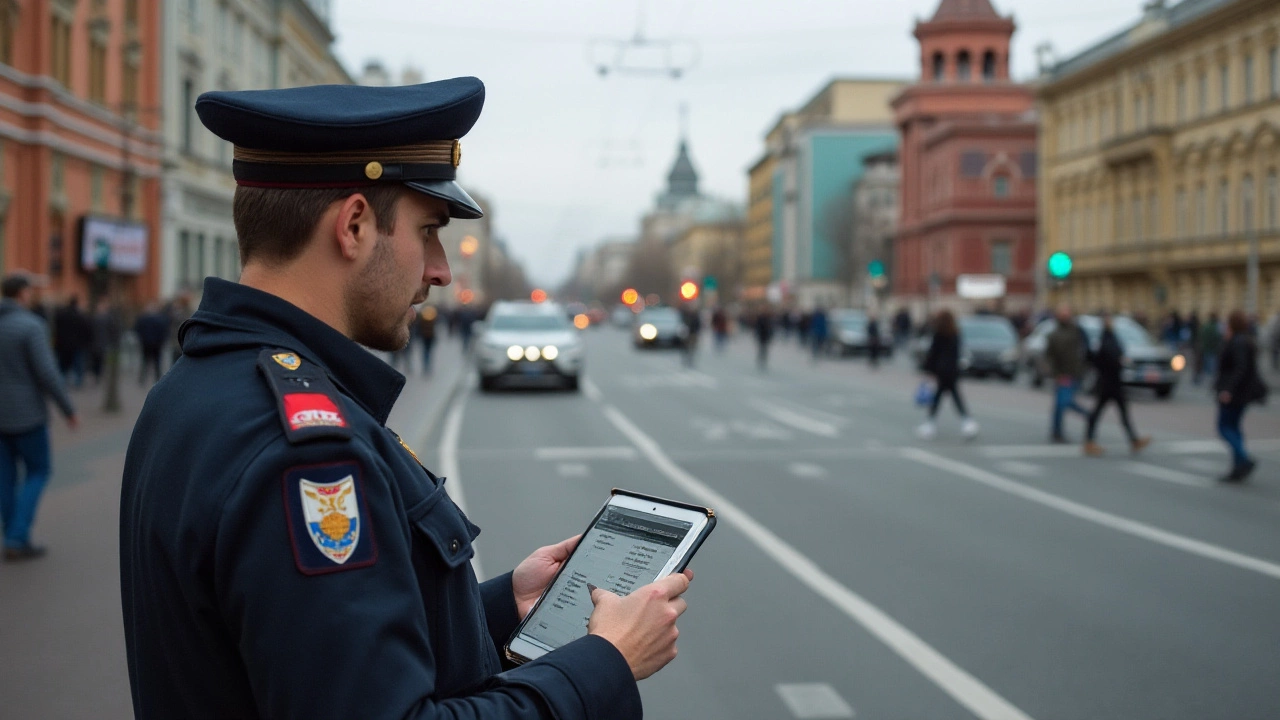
pixel 533 575
pixel 642 625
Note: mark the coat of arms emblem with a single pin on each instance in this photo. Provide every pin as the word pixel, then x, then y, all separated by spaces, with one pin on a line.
pixel 332 514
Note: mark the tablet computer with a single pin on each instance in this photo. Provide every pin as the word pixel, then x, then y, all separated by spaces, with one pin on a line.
pixel 634 540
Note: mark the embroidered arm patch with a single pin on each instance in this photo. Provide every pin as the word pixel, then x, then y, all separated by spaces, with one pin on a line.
pixel 328 518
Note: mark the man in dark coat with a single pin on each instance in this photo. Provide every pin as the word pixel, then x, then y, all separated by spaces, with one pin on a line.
pixel 284 554
pixel 71 336
pixel 1238 384
pixel 1065 352
pixel 1109 361
pixel 943 363
pixel 764 335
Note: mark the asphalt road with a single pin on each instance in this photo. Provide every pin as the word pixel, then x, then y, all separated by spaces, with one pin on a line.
pixel 860 572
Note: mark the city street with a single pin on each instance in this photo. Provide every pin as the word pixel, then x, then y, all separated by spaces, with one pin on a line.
pixel 856 572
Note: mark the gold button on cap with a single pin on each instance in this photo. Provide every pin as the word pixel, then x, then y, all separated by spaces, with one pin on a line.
pixel 373 170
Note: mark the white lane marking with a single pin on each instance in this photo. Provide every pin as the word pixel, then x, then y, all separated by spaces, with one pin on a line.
pixel 1205 466
pixel 796 420
pixel 1029 451
pixel 622 452
pixel 575 470
pixel 760 430
pixel 1174 447
pixel 960 685
pixel 449 464
pixel 1021 468
pixel 1106 519
pixel 813 701
pixel 591 390
pixel 1156 472
pixel 807 470
pixel 836 420
pixel 711 430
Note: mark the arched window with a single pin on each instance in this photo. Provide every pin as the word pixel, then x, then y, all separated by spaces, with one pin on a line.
pixel 1246 203
pixel 988 66
pixel 939 66
pixel 962 66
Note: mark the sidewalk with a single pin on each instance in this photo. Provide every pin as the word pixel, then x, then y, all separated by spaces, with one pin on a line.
pixel 61 633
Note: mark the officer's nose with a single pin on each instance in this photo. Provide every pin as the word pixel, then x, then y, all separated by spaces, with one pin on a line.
pixel 436 271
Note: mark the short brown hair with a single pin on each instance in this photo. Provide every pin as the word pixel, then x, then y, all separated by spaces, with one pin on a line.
pixel 274 224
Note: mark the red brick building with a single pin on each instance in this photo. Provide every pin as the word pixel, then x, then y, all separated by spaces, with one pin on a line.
pixel 79 112
pixel 968 163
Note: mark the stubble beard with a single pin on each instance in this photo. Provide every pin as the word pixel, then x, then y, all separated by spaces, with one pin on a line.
pixel 377 318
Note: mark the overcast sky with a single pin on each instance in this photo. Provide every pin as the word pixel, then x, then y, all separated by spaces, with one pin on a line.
pixel 567 157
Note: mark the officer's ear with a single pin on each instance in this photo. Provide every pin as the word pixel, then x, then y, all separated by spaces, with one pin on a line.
pixel 355 227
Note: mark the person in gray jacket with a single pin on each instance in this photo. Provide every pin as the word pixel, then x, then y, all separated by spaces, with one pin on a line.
pixel 28 373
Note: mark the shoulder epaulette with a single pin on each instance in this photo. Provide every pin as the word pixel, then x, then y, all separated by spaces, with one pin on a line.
pixel 306 398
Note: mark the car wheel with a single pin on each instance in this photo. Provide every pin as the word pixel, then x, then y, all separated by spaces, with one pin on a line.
pixel 487 383
pixel 1164 391
pixel 571 384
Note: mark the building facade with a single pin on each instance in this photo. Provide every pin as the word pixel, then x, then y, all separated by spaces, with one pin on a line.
pixel 757 244
pixel 968 164
pixel 875 222
pixel 225 45
pixel 813 156
pixel 710 254
pixel 79 140
pixel 1161 148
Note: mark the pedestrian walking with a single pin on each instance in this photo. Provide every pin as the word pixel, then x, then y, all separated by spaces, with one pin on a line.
pixel 720 326
pixel 901 327
pixel 103 332
pixel 28 375
pixel 152 329
pixel 464 318
pixel 71 336
pixel 764 336
pixel 427 335
pixel 1065 352
pixel 283 553
pixel 1208 345
pixel 693 328
pixel 943 363
pixel 818 332
pixel 1109 361
pixel 873 340
pixel 1238 384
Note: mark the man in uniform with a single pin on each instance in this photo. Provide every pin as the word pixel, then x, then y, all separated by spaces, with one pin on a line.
pixel 283 553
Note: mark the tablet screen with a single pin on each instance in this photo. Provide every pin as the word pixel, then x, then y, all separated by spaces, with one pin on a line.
pixel 625 549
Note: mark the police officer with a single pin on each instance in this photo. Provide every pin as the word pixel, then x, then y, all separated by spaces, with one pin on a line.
pixel 283 553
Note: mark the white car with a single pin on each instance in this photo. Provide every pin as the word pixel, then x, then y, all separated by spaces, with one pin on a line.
pixel 529 343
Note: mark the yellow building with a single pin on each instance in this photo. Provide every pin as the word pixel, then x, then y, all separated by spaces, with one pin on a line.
pixel 1160 149
pixel 711 249
pixel 757 248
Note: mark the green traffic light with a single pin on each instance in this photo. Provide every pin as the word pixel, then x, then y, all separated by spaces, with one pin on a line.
pixel 875 268
pixel 1059 265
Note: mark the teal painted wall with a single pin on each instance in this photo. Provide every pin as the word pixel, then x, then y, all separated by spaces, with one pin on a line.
pixel 836 161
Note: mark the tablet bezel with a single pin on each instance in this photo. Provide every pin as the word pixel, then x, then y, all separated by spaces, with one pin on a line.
pixel 520 650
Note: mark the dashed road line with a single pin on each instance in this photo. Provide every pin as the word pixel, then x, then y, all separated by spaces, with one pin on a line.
pixel 796 420
pixel 574 470
pixel 621 452
pixel 1157 472
pixel 806 470
pixel 814 701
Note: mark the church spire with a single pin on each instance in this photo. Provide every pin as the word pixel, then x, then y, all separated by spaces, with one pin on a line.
pixel 682 181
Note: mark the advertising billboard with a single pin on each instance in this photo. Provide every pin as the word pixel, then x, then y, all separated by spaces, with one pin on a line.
pixel 116 245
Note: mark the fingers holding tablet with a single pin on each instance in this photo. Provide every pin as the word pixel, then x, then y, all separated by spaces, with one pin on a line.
pixel 641 625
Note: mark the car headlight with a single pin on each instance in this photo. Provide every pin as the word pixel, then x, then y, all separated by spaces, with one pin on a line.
pixel 532 353
pixel 514 353
pixel 550 352
pixel 648 331
pixel 1178 363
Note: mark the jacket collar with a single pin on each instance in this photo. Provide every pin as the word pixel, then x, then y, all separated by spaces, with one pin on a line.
pixel 232 316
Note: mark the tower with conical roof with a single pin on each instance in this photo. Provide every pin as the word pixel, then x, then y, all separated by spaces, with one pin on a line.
pixel 968 162
pixel 682 181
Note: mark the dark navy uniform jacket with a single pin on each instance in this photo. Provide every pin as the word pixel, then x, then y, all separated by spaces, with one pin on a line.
pixel 284 555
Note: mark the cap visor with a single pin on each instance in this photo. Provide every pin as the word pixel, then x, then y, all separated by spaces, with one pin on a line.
pixel 460 203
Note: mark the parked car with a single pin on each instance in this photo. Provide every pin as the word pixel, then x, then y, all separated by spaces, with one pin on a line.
pixel 528 343
pixel 848 334
pixel 1147 362
pixel 988 346
pixel 659 326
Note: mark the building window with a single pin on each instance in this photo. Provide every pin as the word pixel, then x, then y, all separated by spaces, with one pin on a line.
pixel 989 66
pixel 1246 203
pixel 193 16
pixel 188 113
pixel 1248 79
pixel 1202 211
pixel 1182 99
pixel 60 48
pixel 1204 93
pixel 1119 118
pixel 1273 60
pixel 199 258
pixel 1137 219
pixel 97 71
pixel 963 66
pixel 1138 114
pixel 95 188
pixel 217 256
pixel 1153 216
pixel 1273 200
pixel 1002 257
pixel 1001 186
pixel 184 257
pixel 131 14
pixel 1151 108
pixel 8 26
pixel 1224 206
pixel 1224 78
pixel 972 163
pixel 1180 207
pixel 1027 164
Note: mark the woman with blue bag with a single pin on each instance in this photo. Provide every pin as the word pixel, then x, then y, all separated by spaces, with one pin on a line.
pixel 943 363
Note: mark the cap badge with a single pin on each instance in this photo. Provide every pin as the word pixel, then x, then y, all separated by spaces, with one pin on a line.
pixel 373 170
pixel 457 153
pixel 288 361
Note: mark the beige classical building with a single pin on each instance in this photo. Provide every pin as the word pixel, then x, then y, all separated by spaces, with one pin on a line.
pixel 711 250
pixel 1160 149
pixel 757 246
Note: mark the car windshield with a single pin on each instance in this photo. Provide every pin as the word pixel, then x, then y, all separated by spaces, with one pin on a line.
pixel 529 322
pixel 987 330
pixel 660 316
pixel 852 321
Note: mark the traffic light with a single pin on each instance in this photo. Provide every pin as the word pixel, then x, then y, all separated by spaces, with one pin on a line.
pixel 688 290
pixel 1059 266
pixel 538 295
pixel 630 296
pixel 875 269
